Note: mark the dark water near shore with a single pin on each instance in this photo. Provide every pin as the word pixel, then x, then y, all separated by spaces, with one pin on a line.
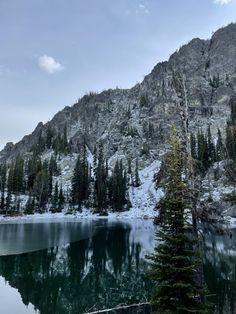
pixel 73 266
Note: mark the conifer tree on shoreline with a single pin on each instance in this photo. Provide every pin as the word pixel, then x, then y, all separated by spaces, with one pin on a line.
pixel 174 262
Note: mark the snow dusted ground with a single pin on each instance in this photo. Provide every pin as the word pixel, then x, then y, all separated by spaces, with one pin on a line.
pixel 231 220
pixel 142 198
pixel 145 197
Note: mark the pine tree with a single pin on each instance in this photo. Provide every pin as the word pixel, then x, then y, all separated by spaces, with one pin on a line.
pixel 60 142
pixel 80 179
pixel 173 265
pixel 61 199
pixel 52 170
pixel 210 147
pixel 220 149
pixel 8 201
pixel 30 205
pixel 118 187
pixel 137 181
pixel 130 174
pixel 41 186
pixel 3 178
pixel 203 154
pixel 231 132
pixel 53 167
pixel 193 146
pixel 55 197
pixel 34 166
pixel 10 179
pixel 16 176
pixel 101 181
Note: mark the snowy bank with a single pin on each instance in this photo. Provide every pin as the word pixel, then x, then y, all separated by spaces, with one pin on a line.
pixel 143 200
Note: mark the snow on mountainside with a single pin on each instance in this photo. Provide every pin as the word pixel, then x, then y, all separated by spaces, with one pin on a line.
pixel 145 197
pixel 135 123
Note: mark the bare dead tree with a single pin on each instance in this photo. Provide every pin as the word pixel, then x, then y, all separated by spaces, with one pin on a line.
pixel 181 100
pixel 134 308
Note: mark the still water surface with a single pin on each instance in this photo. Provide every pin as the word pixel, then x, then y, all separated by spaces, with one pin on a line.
pixel 72 266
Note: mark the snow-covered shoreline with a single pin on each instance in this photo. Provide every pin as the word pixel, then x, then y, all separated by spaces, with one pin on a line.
pixel 86 214
pixel 143 200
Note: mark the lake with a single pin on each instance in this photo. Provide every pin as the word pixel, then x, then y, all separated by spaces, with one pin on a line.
pixel 74 266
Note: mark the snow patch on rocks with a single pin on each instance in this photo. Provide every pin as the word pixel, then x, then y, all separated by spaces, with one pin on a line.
pixel 67 165
pixel 145 197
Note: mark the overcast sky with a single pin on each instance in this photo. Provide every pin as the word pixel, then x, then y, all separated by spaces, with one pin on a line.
pixel 52 52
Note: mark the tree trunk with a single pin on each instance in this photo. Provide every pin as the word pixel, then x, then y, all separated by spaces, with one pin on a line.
pixel 141 308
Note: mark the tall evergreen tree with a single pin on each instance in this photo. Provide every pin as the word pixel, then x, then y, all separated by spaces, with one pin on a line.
pixel 34 166
pixel 10 179
pixel 3 181
pixel 173 265
pixel 55 197
pixel 231 132
pixel 61 199
pixel 16 176
pixel 101 181
pixel 193 146
pixel 202 152
pixel 118 187
pixel 220 149
pixel 8 201
pixel 137 181
pixel 30 205
pixel 81 179
pixel 41 186
pixel 211 152
pixel 130 173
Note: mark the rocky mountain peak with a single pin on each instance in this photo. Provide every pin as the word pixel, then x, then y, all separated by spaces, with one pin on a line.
pixel 136 122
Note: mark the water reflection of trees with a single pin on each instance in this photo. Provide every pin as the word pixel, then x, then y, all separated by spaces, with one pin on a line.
pixel 220 272
pixel 102 271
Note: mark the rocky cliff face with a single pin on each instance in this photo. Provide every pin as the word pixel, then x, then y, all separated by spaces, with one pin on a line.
pixel 136 122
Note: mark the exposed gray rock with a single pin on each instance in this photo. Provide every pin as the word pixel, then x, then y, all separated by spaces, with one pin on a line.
pixel 131 128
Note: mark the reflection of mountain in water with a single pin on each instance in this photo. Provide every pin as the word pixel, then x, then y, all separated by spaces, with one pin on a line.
pixel 102 266
pixel 103 270
pixel 220 269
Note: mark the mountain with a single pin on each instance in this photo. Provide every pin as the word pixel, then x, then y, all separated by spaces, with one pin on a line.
pixel 135 123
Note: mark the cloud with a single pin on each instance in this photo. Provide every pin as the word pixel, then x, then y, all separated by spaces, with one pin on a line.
pixel 143 8
pixel 222 2
pixel 49 64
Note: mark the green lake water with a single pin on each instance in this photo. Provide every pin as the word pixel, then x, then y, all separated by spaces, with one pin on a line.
pixel 73 266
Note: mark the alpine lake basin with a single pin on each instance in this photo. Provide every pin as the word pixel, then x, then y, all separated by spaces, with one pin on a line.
pixel 66 265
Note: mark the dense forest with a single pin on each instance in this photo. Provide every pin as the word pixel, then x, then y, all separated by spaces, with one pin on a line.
pixel 36 181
